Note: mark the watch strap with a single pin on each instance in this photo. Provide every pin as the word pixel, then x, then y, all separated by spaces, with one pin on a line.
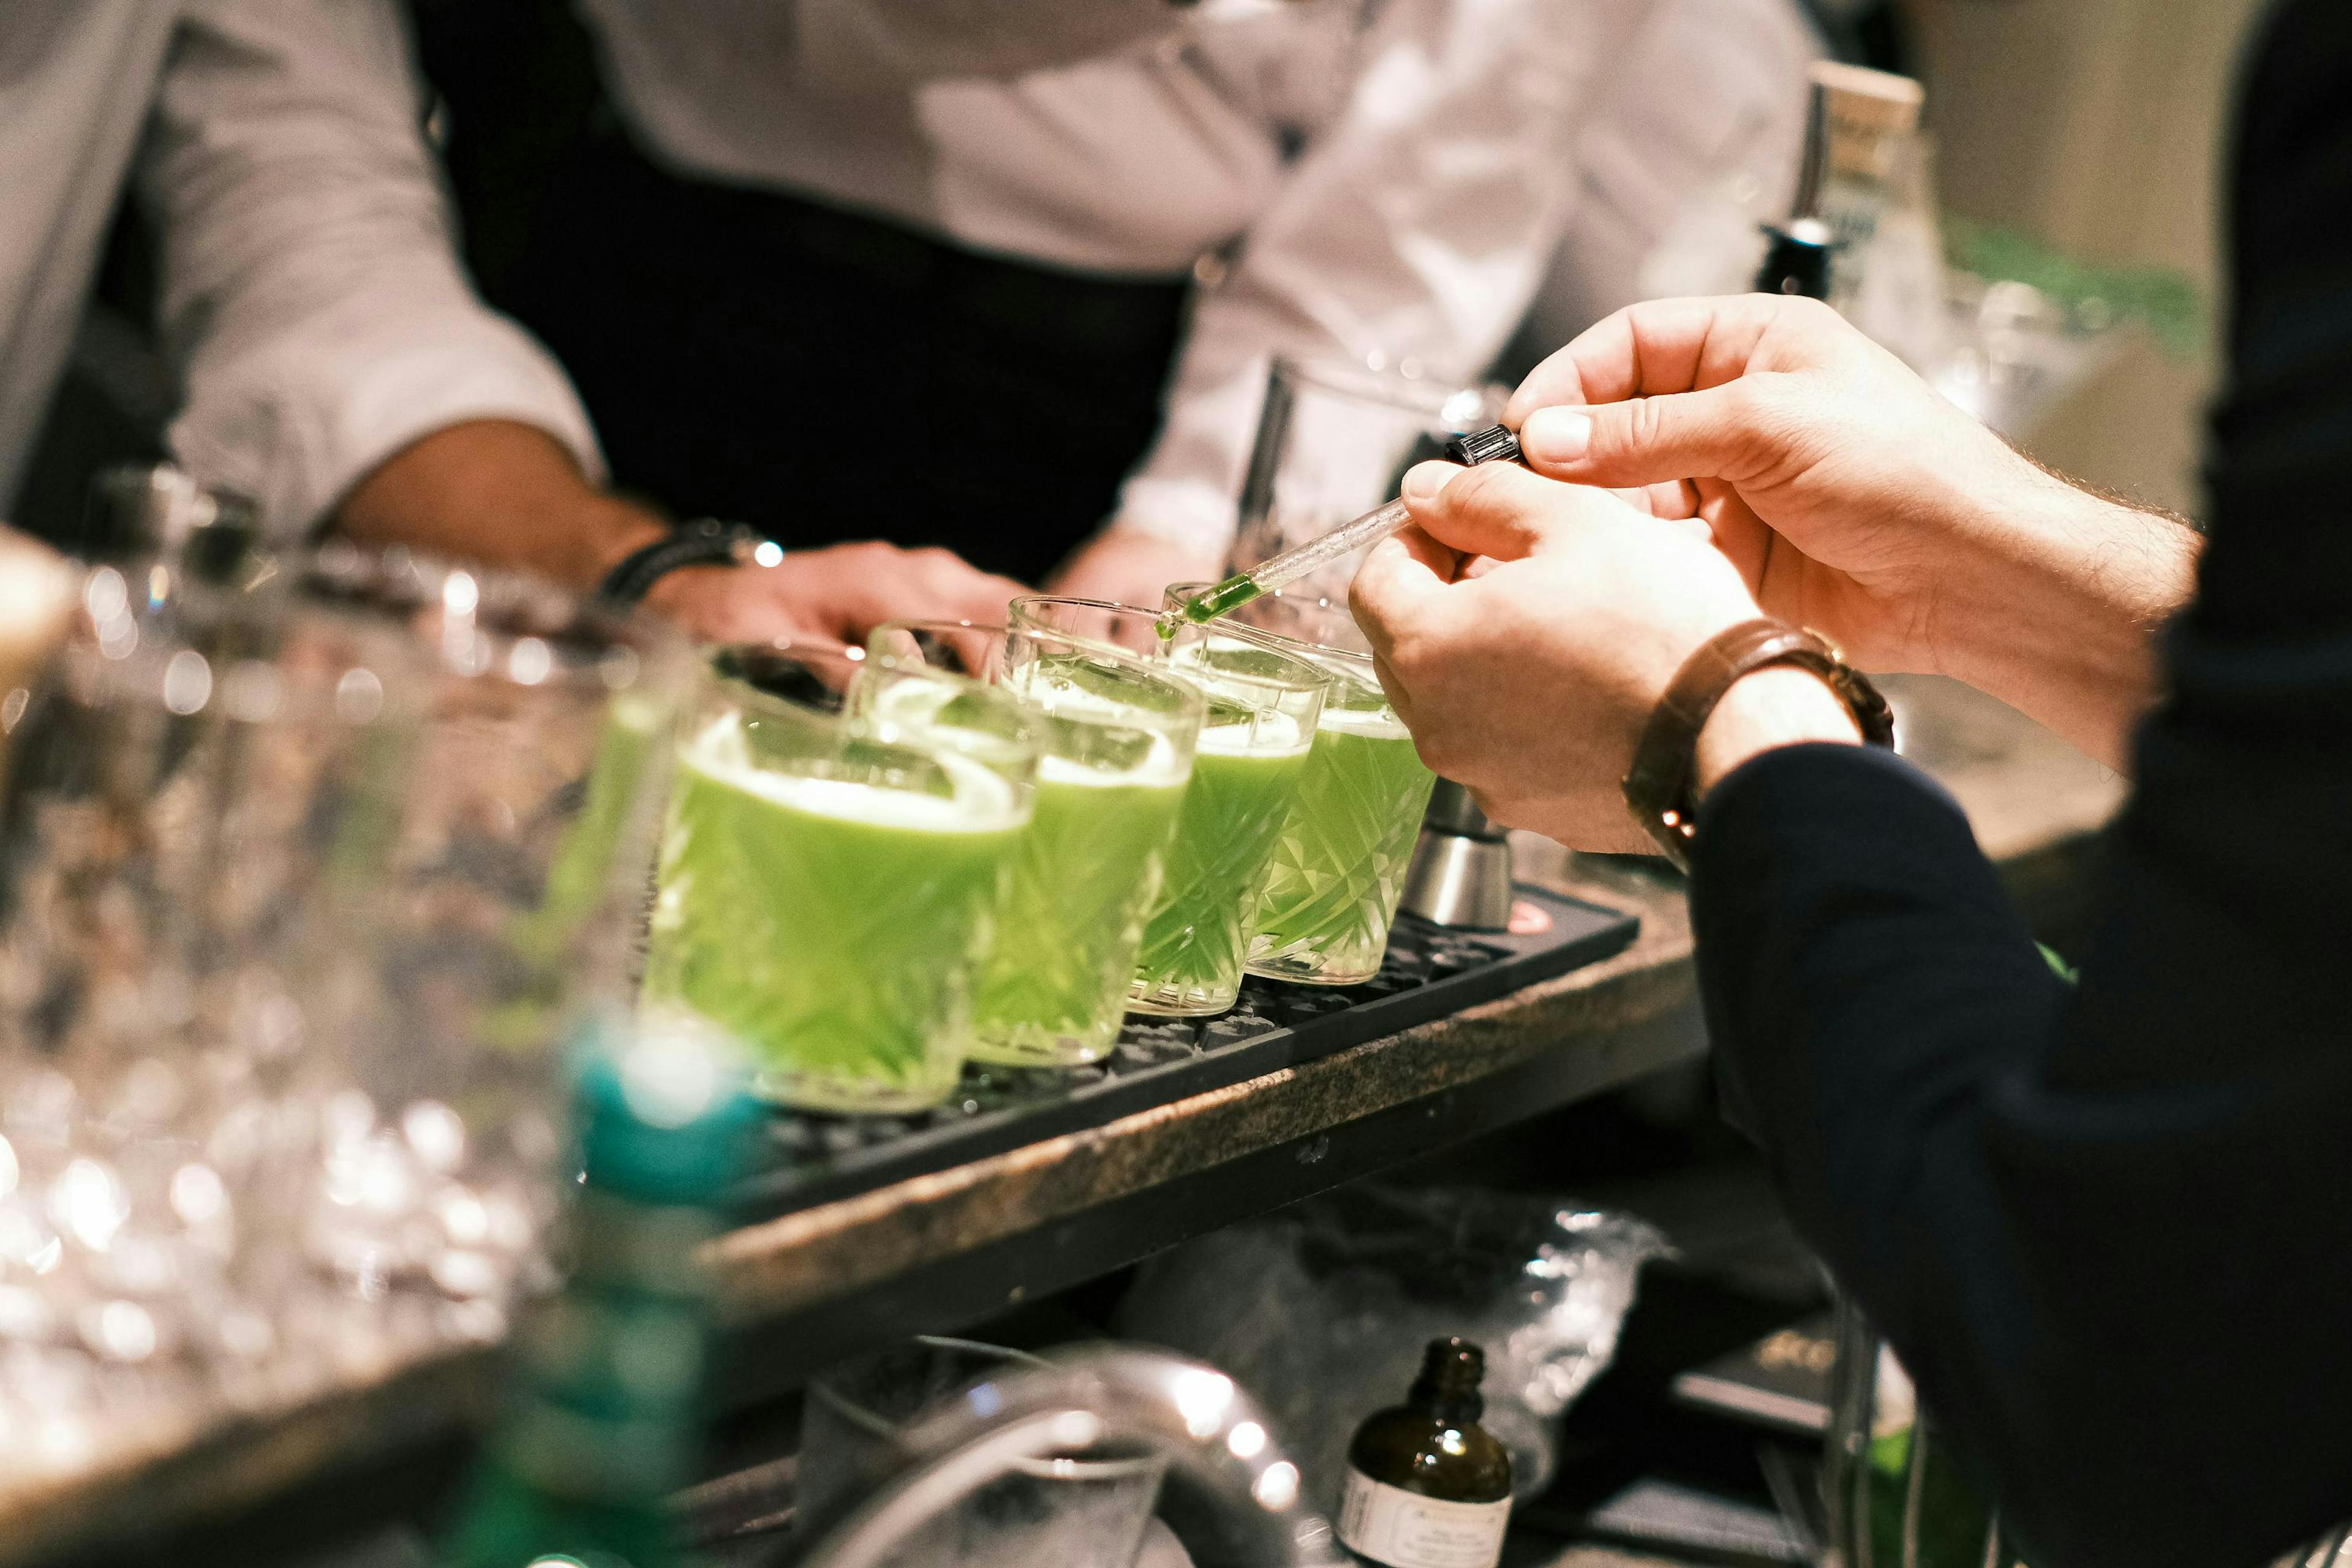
pixel 1662 781
pixel 705 542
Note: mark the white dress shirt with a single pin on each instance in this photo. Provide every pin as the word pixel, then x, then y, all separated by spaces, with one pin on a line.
pixel 311 296
pixel 1396 173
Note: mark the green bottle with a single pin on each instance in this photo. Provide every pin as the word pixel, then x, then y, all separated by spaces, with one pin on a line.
pixel 1427 1486
pixel 606 1421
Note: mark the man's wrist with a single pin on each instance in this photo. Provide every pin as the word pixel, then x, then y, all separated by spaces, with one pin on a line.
pixel 1781 705
pixel 2055 606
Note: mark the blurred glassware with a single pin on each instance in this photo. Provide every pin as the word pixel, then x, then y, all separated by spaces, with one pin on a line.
pixel 1322 914
pixel 1087 1509
pixel 2013 354
pixel 1116 733
pixel 832 871
pixel 1263 706
pixel 296 921
pixel 495 907
pixel 1333 441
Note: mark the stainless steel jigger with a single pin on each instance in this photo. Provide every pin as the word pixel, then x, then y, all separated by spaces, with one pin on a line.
pixel 1461 870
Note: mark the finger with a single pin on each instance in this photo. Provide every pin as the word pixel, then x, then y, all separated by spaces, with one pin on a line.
pixel 1655 347
pixel 1736 433
pixel 1498 509
pixel 1397 587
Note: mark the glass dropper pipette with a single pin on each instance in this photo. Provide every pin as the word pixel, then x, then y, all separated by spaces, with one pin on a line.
pixel 1494 444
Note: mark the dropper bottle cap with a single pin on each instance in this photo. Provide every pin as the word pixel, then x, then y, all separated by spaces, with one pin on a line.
pixel 1496 444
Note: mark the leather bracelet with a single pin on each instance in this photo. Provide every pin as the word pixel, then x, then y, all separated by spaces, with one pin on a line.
pixel 705 542
pixel 1659 784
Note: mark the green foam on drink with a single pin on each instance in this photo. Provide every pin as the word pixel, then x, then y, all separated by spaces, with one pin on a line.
pixel 829 923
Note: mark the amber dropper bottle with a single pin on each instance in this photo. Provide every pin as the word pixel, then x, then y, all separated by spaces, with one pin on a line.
pixel 1427 1486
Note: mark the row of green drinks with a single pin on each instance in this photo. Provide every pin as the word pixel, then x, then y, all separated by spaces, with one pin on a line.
pixel 993 842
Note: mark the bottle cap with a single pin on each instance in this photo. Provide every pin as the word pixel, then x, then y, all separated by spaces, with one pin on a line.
pixel 1494 444
pixel 663 1116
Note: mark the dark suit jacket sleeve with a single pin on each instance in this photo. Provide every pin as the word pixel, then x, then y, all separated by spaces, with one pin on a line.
pixel 2110 1229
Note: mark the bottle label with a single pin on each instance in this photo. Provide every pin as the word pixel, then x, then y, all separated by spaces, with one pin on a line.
pixel 1405 1530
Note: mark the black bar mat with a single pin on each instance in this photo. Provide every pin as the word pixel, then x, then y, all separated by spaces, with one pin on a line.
pixel 1430 973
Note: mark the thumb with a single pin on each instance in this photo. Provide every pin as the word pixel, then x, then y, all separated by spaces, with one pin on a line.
pixel 1397 585
pixel 1726 432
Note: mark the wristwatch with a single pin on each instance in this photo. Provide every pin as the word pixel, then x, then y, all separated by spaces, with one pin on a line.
pixel 1659 784
pixel 705 542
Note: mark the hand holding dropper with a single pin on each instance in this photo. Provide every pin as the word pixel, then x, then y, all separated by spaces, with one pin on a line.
pixel 1494 444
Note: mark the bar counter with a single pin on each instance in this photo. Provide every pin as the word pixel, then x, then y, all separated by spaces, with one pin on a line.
pixel 952 1246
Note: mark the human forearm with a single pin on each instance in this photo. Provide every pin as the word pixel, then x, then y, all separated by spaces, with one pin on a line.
pixel 2051 598
pixel 501 493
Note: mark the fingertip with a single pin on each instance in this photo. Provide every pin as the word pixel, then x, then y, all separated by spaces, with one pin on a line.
pixel 1556 436
pixel 1424 481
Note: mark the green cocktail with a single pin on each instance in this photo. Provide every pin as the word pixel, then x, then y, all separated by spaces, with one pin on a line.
pixel 1054 987
pixel 1191 960
pixel 1323 913
pixel 1263 705
pixel 1330 896
pixel 1116 735
pixel 824 896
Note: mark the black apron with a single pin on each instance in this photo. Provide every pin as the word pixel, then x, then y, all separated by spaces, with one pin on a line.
pixel 826 376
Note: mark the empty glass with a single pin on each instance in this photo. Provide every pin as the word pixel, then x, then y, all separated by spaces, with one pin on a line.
pixel 1086 1510
pixel 1116 734
pixel 1322 915
pixel 831 873
pixel 1333 441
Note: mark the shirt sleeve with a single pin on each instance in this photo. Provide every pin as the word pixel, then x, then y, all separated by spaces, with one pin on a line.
pixel 312 295
pixel 1412 233
pixel 2106 1228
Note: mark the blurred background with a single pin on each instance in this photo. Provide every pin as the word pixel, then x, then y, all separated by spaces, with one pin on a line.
pixel 2089 129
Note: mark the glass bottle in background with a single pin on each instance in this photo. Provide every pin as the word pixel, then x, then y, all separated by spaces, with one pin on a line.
pixel 1427 1486
pixel 1333 440
pixel 606 1421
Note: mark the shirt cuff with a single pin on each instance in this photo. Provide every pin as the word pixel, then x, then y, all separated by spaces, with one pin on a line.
pixel 297 425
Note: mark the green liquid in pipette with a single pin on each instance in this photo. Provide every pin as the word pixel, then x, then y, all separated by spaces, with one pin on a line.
pixel 1222 600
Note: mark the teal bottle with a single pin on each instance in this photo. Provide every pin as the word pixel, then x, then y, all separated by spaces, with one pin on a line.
pixel 606 1423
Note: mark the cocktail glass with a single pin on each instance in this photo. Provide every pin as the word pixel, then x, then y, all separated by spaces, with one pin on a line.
pixel 1264 704
pixel 1087 1509
pixel 1323 913
pixel 1116 733
pixel 831 874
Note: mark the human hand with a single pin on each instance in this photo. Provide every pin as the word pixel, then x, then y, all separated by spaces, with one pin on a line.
pixel 1856 501
pixel 1529 679
pixel 836 594
pixel 1128 566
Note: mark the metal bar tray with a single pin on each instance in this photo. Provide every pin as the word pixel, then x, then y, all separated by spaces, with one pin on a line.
pixel 1430 973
